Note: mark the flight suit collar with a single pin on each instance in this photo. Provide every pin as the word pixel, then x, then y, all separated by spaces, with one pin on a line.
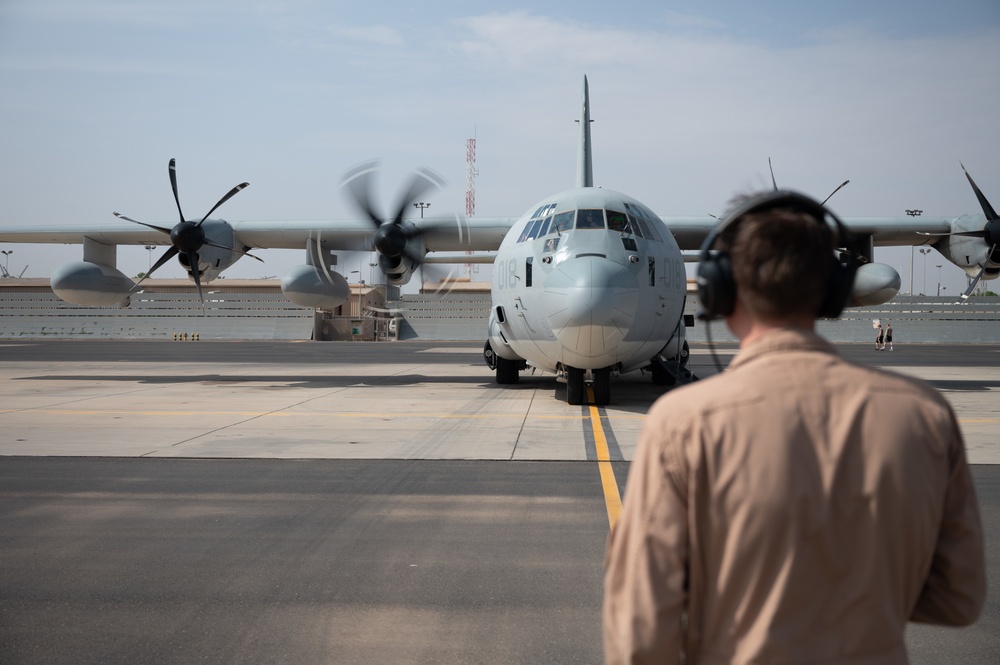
pixel 783 339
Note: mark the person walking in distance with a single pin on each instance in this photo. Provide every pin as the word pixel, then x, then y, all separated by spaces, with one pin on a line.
pixel 796 508
pixel 878 337
pixel 888 335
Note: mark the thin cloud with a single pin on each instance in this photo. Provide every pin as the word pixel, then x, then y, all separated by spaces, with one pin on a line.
pixel 376 35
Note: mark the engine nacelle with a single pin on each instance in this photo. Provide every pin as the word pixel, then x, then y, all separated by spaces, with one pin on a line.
pixel 874 284
pixel 213 259
pixel 93 284
pixel 309 286
pixel 406 249
pixel 397 269
pixel 970 253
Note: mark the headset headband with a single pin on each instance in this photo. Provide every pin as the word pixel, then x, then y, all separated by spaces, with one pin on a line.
pixel 716 285
pixel 779 198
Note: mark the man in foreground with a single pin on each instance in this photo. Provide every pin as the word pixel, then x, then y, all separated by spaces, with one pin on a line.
pixel 797 508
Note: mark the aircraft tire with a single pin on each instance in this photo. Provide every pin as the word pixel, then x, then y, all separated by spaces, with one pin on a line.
pixel 507 372
pixel 602 386
pixel 574 385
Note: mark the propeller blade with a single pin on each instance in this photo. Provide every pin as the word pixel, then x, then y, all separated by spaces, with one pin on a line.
pixel 232 249
pixel 422 181
pixel 834 192
pixel 136 221
pixel 974 282
pixel 358 181
pixel 173 185
pixel 231 194
pixel 988 210
pixel 167 255
pixel 774 183
pixel 192 258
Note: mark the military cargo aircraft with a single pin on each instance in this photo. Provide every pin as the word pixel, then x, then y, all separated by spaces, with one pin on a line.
pixel 588 283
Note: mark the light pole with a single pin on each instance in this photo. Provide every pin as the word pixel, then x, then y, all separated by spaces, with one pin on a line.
pixel 925 251
pixel 361 286
pixel 6 256
pixel 150 248
pixel 939 279
pixel 912 213
pixel 422 207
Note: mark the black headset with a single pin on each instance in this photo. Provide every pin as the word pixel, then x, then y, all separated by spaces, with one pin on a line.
pixel 716 286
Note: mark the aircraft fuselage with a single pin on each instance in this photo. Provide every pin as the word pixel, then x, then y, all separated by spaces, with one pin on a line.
pixel 588 279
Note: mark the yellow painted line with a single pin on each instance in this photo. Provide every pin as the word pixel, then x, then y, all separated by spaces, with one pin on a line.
pixel 612 499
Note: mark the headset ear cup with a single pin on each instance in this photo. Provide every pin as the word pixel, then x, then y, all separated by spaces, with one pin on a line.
pixel 841 285
pixel 716 289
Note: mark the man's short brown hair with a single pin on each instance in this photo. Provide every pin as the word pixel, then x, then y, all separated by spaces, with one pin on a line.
pixel 781 261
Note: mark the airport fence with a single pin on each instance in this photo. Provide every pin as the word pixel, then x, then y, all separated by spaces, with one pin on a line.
pixel 257 314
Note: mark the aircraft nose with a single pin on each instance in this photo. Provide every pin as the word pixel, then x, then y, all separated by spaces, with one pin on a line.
pixel 594 301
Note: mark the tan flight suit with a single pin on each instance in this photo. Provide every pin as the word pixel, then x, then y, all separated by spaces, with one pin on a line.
pixel 796 509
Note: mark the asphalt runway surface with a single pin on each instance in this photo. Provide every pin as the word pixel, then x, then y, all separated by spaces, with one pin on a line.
pixel 132 542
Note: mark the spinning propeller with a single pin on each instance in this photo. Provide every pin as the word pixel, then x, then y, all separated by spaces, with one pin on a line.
pixel 392 238
pixel 187 237
pixel 990 233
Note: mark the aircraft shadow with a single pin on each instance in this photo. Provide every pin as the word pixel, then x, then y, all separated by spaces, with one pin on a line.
pixel 964 385
pixel 276 381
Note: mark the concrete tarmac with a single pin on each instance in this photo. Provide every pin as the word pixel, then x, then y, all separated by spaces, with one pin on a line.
pixel 421 513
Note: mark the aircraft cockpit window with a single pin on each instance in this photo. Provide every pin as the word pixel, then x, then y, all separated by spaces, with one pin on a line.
pixel 524 233
pixel 590 219
pixel 618 221
pixel 533 230
pixel 644 220
pixel 633 221
pixel 544 210
pixel 643 227
pixel 544 228
pixel 651 227
pixel 629 244
pixel 563 221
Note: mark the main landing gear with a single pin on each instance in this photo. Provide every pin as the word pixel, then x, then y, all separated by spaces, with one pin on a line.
pixel 672 371
pixel 508 371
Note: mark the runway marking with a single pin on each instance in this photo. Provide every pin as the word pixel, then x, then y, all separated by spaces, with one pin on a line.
pixel 612 499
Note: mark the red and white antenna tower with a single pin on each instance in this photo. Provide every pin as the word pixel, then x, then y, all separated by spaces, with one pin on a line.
pixel 470 177
pixel 470 189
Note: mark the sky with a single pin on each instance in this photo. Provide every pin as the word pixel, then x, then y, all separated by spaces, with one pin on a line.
pixel 689 101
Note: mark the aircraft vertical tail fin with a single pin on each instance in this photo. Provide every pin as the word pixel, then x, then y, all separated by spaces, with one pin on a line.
pixel 585 161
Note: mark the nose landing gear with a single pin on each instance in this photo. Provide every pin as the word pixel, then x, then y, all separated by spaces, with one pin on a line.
pixel 576 385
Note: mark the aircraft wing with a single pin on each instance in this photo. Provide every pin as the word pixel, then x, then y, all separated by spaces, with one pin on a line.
pixel 439 234
pixel 73 234
pixel 690 232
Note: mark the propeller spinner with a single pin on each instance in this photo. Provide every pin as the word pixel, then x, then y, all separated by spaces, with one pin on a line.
pixel 187 237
